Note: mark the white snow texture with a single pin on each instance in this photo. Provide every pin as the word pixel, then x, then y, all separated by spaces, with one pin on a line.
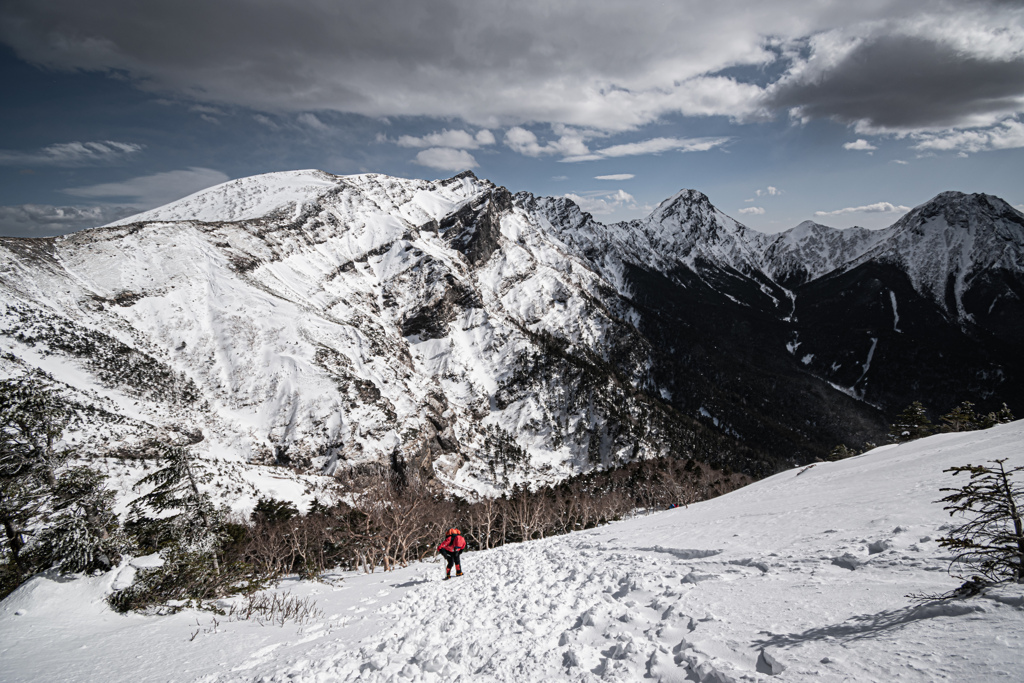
pixel 802 575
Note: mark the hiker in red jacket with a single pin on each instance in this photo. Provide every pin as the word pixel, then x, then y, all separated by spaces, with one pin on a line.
pixel 452 548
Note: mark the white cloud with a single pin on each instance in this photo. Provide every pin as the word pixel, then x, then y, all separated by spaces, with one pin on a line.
pixel 615 176
pixel 446 159
pixel 770 191
pixel 1019 207
pixel 570 142
pixel 1007 135
pixel 313 122
pixel 204 109
pixel 154 190
pixel 901 162
pixel 71 154
pixel 652 146
pixel 455 139
pixel 602 203
pixel 752 211
pixel 266 121
pixel 485 137
pixel 878 207
pixel 859 146
pixel 608 66
pixel 572 145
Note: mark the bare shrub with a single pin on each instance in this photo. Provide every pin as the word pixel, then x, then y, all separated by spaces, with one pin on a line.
pixel 275 608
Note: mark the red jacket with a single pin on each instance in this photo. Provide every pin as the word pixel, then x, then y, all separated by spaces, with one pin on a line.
pixel 453 544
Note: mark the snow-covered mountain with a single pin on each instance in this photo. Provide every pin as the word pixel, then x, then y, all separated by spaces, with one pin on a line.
pixel 811 250
pixel 955 245
pixel 935 304
pixel 803 576
pixel 356 320
pixel 334 322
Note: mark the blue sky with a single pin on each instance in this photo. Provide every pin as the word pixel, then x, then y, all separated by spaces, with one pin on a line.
pixel 780 112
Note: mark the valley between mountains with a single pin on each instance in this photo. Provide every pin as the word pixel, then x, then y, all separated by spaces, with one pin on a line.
pixel 476 338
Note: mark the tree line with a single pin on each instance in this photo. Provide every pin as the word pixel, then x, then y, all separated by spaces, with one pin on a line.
pixel 61 515
pixel 913 423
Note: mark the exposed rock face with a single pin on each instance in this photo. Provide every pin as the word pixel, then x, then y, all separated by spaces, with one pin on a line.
pixel 474 339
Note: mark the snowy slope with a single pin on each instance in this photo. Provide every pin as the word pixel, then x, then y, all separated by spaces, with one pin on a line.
pixel 811 566
pixel 947 243
pixel 811 250
pixel 244 198
pixel 305 319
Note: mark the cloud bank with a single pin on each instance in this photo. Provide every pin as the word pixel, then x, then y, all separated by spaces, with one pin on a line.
pixel 878 207
pixel 919 75
pixel 608 65
pixel 603 203
pixel 454 139
pixel 71 154
pixel 446 159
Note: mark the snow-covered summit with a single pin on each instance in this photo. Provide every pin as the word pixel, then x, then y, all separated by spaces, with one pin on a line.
pixel 243 198
pixel 949 242
pixel 687 228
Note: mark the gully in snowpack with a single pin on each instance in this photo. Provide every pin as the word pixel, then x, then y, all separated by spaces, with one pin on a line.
pixel 452 548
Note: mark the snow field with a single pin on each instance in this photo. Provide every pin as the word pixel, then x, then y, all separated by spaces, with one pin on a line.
pixel 243 198
pixel 802 575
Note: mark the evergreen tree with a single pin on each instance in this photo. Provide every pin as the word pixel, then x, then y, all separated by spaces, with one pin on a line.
pixel 912 423
pixel 21 502
pixel 32 420
pixel 999 417
pixel 841 452
pixel 82 531
pixel 175 488
pixel 270 510
pixel 961 419
pixel 991 542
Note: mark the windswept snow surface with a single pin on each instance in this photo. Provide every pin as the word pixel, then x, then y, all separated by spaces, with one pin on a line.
pixel 244 198
pixel 810 567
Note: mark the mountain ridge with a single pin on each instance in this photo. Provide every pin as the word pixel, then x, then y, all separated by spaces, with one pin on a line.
pixel 339 322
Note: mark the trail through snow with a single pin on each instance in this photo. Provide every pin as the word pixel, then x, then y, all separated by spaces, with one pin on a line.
pixel 803 574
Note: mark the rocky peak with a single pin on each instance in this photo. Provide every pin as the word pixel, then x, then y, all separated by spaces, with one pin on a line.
pixel 963 212
pixel 685 204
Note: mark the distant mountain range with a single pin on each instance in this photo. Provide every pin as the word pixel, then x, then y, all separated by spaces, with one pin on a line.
pixel 477 338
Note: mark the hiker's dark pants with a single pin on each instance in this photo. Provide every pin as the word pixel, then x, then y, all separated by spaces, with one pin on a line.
pixel 453 558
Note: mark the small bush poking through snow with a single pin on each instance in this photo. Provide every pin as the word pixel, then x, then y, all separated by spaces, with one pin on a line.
pixel 990 545
pixel 276 608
